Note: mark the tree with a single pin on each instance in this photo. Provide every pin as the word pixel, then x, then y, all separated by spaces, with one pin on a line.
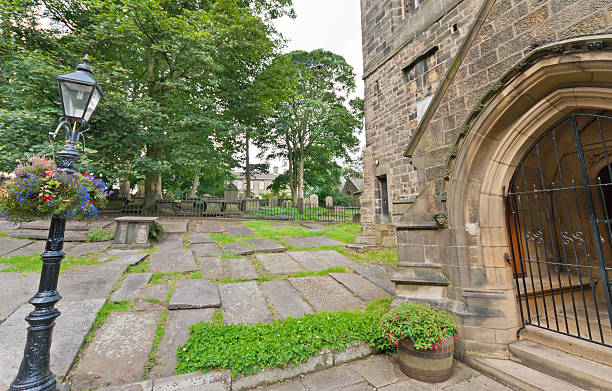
pixel 165 66
pixel 314 115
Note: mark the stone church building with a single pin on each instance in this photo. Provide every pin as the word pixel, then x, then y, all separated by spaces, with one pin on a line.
pixel 487 162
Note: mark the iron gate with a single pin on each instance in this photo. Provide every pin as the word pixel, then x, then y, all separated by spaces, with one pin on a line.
pixel 558 211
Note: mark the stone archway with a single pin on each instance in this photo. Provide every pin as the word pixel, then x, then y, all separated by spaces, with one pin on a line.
pixel 549 90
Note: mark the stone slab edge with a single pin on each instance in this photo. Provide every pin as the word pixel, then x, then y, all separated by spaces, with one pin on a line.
pixel 223 381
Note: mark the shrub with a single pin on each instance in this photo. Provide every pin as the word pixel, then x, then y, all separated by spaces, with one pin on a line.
pixel 425 326
pixel 250 348
pixel 156 231
pixel 99 235
pixel 39 190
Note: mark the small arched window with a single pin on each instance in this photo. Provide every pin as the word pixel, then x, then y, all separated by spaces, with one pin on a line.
pixel 411 5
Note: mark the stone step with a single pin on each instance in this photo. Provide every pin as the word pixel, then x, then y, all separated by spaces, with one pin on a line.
pixel 562 365
pixel 368 240
pixel 575 346
pixel 517 376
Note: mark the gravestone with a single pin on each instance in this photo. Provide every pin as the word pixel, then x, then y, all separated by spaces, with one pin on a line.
pixel 133 231
pixel 287 204
pixel 273 202
pixel 329 202
pixel 313 200
pixel 230 193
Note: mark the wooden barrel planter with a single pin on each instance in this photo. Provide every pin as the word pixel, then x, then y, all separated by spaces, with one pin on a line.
pixel 432 366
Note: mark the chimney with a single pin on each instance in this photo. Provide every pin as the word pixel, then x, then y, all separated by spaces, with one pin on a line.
pixel 275 170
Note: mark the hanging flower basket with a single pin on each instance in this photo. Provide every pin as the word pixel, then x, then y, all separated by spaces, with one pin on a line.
pixel 38 190
pixel 424 340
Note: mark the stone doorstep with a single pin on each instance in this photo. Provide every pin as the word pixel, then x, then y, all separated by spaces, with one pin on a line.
pixel 221 380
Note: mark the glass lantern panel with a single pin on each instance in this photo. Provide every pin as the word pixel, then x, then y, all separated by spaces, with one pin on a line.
pixel 95 98
pixel 75 97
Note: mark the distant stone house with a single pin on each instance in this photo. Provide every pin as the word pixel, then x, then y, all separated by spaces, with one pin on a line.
pixel 259 182
pixel 353 187
pixel 487 161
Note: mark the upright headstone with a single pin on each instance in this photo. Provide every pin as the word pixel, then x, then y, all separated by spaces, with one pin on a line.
pixel 329 202
pixel 287 204
pixel 230 193
pixel 314 201
pixel 273 201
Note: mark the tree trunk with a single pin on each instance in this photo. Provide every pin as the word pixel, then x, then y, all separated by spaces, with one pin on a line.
pixel 292 179
pixel 194 185
pixel 152 190
pixel 124 190
pixel 300 178
pixel 247 168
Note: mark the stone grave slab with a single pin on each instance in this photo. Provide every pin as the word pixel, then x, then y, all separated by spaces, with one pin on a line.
pixel 197 237
pixel 194 293
pixel 314 226
pixel 321 241
pixel 209 226
pixel 8 245
pixel 128 260
pixel 17 289
pixel 69 236
pixel 284 299
pixel 334 259
pixel 68 335
pixel 89 282
pixel 157 291
pixel 118 352
pixel 325 294
pixel 240 268
pixel 81 249
pixel 172 261
pixel 36 247
pixel 278 263
pixel 336 378
pixel 3 266
pixel 70 225
pixel 207 249
pixel 212 267
pixel 238 249
pixel 265 246
pixel 176 334
pixel 239 231
pixel 242 302
pixel 8 226
pixel 378 273
pixel 171 242
pixel 308 260
pixel 175 226
pixel 360 286
pixel 300 242
pixel 130 286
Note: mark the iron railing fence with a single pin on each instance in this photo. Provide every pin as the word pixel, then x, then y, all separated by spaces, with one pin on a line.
pixel 262 209
pixel 559 221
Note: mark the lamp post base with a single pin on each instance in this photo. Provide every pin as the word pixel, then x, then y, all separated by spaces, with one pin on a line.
pixel 34 372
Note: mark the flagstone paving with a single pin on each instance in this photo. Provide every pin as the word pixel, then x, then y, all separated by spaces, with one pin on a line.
pixel 130 286
pixel 285 300
pixel 240 268
pixel 239 231
pixel 171 242
pixel 265 246
pixel 8 245
pixel 157 292
pixel 197 237
pixel 322 241
pixel 360 286
pixel 210 226
pixel 207 249
pixel 172 261
pixel 300 242
pixel 17 289
pixel 128 259
pixel 174 226
pixel 278 263
pixel 334 259
pixel 87 248
pixel 325 294
pixel 379 273
pixel 212 267
pixel 119 351
pixel 88 282
pixel 195 293
pixel 177 333
pixel 68 335
pixel 308 260
pixel 242 302
pixel 238 249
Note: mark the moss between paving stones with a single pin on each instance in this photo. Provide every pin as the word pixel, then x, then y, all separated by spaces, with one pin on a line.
pixel 247 349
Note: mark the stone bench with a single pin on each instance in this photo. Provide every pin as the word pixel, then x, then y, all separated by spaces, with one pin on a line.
pixel 133 231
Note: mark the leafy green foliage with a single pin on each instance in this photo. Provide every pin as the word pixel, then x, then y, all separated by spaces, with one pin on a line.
pixel 39 190
pixel 97 234
pixel 251 348
pixel 155 232
pixel 32 263
pixel 425 326
pixel 384 255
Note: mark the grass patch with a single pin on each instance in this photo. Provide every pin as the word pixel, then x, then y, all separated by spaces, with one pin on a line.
pixel 159 334
pixel 383 255
pixel 149 250
pixel 250 348
pixel 224 238
pixel 140 267
pixel 344 232
pixel 167 278
pixel 33 263
pixel 99 235
pixel 277 277
pixel 382 304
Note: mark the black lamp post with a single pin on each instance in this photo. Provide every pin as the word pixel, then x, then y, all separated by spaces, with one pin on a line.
pixel 80 95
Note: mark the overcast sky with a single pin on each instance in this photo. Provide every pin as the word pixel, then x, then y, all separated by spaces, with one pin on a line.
pixel 333 25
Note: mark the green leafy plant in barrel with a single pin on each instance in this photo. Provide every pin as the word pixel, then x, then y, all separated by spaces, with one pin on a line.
pixel 38 190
